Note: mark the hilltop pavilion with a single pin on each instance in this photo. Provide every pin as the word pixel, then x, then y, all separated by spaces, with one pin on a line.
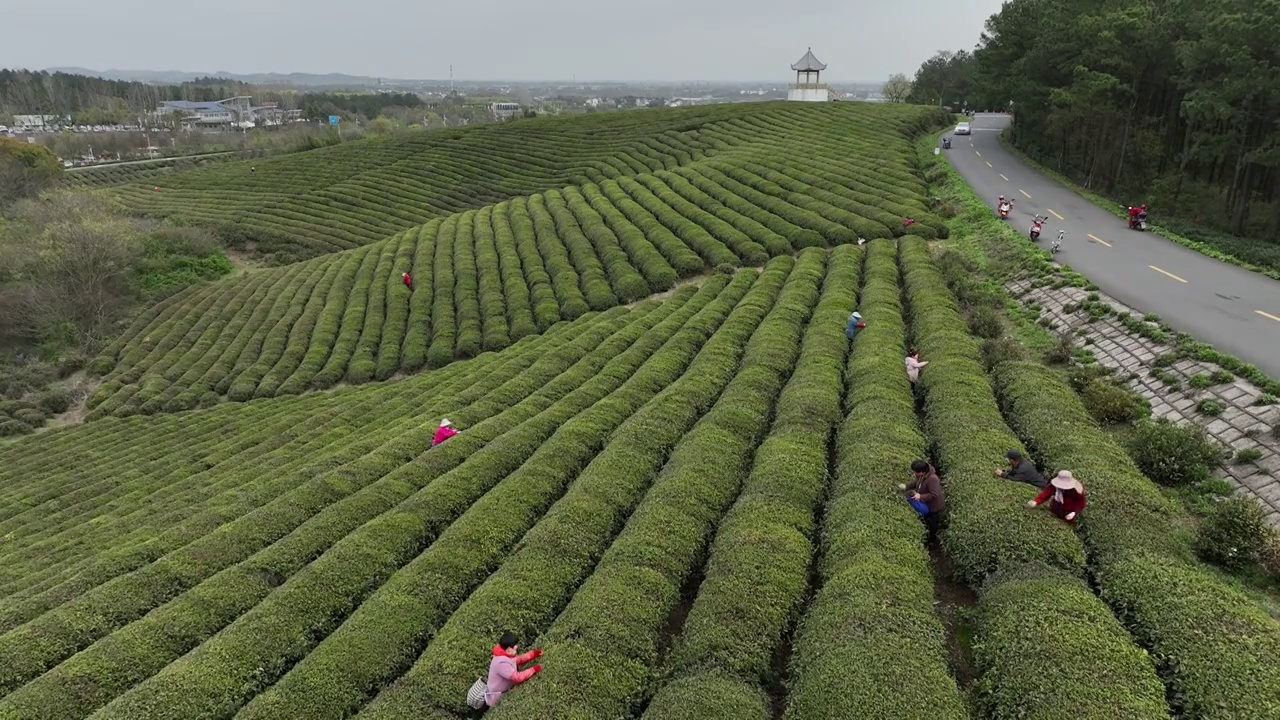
pixel 809 86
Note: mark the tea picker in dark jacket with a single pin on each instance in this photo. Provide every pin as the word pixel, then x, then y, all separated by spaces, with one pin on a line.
pixel 926 488
pixel 1021 470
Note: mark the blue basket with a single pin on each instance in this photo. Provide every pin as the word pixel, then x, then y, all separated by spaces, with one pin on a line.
pixel 919 506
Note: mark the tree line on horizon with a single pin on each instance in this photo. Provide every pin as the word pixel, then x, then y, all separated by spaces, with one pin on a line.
pixel 98 101
pixel 1169 102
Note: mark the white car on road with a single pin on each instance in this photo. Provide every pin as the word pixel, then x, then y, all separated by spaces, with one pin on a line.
pixel 963 129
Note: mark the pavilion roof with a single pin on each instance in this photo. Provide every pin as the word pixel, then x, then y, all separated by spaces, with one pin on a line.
pixel 808 63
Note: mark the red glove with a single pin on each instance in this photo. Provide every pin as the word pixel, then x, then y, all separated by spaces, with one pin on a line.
pixel 536 669
pixel 537 653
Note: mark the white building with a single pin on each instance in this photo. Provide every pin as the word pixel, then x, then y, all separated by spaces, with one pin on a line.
pixel 237 111
pixel 31 123
pixel 809 86
pixel 505 110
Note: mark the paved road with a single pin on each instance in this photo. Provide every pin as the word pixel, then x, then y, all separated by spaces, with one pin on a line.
pixel 1235 310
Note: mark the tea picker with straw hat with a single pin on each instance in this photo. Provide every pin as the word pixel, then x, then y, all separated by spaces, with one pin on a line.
pixel 1067 496
pixel 444 432
pixel 854 325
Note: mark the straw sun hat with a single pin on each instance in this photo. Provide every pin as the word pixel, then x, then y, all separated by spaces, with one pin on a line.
pixel 1065 481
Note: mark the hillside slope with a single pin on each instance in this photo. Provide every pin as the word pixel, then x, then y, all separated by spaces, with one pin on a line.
pixel 647 493
pixel 344 196
pixel 784 178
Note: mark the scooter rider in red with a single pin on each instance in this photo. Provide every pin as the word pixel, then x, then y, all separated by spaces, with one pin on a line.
pixel 1136 216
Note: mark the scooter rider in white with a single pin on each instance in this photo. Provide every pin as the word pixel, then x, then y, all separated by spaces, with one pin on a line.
pixel 1004 207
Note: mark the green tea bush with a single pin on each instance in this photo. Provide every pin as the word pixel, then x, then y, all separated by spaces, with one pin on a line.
pixel 1234 534
pixel 872 544
pixel 985 322
pixel 994 541
pixel 1214 646
pixel 1113 405
pixel 1172 454
pixel 1000 350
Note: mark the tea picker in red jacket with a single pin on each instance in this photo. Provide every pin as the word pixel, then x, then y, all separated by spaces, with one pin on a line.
pixel 1067 496
pixel 444 432
pixel 504 672
pixel 408 281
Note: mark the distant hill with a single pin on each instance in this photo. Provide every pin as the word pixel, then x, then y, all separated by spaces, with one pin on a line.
pixel 181 76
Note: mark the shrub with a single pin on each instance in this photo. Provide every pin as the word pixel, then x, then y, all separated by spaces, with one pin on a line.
pixel 1062 350
pixel 1001 350
pixel 985 322
pixel 1021 599
pixel 1171 454
pixel 1234 534
pixel 1269 557
pixel 55 401
pixel 1113 405
pixel 1081 376
pixel 30 416
pixel 11 428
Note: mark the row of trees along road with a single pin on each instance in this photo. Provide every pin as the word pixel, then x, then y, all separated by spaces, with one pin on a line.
pixel 1171 102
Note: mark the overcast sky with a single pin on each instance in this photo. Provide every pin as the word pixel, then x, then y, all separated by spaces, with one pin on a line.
pixel 493 39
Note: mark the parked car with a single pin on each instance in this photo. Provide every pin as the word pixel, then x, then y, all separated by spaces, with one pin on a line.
pixel 963 129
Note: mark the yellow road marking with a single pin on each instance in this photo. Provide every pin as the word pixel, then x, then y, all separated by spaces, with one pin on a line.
pixel 1024 192
pixel 1051 212
pixel 990 165
pixel 1095 237
pixel 978 153
pixel 1267 315
pixel 1005 178
pixel 1166 272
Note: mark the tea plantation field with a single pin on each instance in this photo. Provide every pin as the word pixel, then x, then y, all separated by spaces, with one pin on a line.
pixel 782 179
pixel 642 492
pixel 675 473
pixel 101 176
pixel 350 195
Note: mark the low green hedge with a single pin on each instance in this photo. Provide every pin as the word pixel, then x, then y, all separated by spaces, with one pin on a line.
pixel 1216 648
pixel 1083 663
pixel 383 634
pixel 261 643
pixel 331 506
pixel 758 570
pixel 988 527
pixel 870 644
pixel 993 538
pixel 709 695
pixel 623 607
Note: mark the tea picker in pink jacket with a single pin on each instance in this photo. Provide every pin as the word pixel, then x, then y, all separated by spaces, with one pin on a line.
pixel 444 432
pixel 504 672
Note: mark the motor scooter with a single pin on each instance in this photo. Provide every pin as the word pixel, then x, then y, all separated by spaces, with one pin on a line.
pixel 1057 244
pixel 1036 226
pixel 1139 221
pixel 946 143
pixel 1004 211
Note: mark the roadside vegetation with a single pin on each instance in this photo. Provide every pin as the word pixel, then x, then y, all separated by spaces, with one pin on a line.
pixel 1139 104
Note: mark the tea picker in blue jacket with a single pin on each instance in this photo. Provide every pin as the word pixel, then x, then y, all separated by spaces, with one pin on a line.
pixel 854 325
